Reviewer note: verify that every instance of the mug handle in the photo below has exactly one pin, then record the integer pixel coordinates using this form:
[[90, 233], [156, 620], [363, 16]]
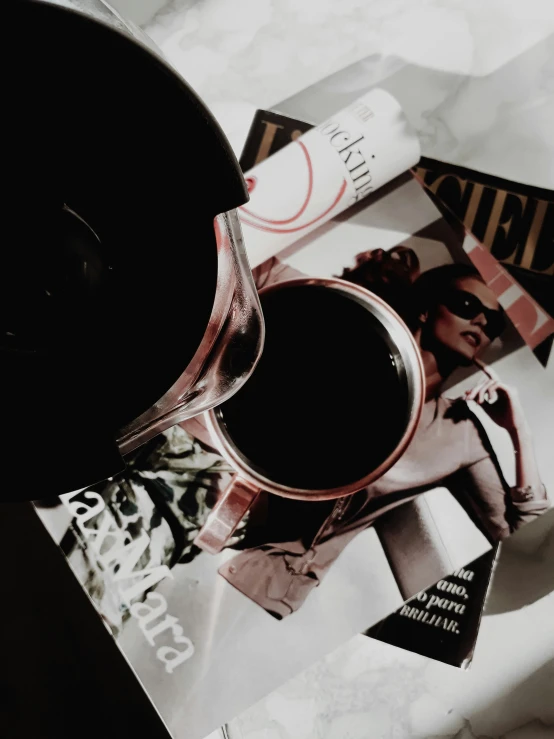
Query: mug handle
[[226, 515]]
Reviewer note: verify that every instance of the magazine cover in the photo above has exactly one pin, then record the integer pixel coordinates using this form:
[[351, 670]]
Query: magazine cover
[[209, 634], [514, 221], [466, 199]]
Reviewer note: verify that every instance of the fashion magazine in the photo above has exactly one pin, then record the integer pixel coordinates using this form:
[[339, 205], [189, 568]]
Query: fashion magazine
[[209, 634]]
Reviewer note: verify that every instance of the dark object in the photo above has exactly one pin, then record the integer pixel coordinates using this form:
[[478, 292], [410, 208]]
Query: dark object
[[109, 259], [63, 676]]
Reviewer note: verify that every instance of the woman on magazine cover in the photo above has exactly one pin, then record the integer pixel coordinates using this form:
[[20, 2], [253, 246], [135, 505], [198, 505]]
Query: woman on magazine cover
[[454, 316]]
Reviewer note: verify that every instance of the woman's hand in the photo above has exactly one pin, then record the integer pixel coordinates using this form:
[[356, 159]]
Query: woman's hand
[[499, 401], [502, 404]]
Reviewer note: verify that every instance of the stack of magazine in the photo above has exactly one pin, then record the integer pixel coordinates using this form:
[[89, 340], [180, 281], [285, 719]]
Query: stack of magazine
[[208, 635]]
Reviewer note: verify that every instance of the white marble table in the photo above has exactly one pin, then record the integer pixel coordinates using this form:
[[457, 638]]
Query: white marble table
[[477, 80]]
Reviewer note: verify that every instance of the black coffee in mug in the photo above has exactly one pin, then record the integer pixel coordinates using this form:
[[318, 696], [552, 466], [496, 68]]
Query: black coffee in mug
[[328, 401]]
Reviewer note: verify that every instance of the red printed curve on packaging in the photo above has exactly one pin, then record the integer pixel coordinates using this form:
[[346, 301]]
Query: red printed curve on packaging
[[269, 229], [305, 204]]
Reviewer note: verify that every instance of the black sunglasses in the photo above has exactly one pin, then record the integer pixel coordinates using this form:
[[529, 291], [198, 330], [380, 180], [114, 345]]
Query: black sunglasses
[[467, 305]]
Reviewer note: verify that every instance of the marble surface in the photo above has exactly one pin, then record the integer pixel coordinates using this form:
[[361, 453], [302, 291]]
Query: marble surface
[[477, 85], [367, 689], [477, 80], [138, 11]]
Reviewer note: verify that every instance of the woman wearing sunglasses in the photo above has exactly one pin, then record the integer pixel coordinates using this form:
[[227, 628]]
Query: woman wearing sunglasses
[[455, 317]]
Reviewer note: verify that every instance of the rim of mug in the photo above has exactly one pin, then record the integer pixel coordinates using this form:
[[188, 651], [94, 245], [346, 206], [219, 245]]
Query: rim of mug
[[413, 363]]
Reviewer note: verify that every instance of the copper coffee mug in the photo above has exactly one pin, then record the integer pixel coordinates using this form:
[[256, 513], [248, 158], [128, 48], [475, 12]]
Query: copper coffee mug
[[249, 482]]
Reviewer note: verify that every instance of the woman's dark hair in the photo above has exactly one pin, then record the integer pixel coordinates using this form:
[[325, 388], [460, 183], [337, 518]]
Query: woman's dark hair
[[410, 301]]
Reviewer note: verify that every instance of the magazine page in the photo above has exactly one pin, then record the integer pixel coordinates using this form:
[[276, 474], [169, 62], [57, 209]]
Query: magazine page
[[513, 221], [207, 634], [451, 640], [442, 622]]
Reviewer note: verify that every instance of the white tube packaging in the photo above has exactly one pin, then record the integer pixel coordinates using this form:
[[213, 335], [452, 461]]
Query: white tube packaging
[[324, 171]]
